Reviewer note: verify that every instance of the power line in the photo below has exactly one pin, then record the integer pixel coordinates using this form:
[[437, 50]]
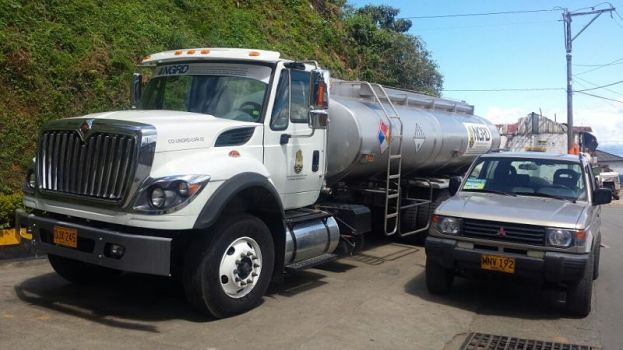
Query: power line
[[601, 87], [615, 62], [483, 25], [618, 93], [479, 14], [503, 90], [601, 97]]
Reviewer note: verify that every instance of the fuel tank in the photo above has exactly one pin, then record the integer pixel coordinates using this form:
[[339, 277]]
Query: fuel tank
[[440, 137]]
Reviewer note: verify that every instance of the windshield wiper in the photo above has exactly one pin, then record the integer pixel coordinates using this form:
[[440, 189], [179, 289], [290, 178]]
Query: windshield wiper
[[538, 194], [493, 191]]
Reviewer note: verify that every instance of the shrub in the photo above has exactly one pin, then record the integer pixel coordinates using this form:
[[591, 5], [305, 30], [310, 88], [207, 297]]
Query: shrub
[[8, 204]]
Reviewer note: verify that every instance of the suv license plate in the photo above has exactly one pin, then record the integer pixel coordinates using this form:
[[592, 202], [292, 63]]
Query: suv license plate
[[65, 236], [497, 263]]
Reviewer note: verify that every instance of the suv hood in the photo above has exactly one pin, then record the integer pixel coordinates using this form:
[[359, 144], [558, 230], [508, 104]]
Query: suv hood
[[538, 211], [177, 130]]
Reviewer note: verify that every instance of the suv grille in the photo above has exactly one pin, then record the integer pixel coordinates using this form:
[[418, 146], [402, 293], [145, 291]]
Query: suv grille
[[101, 167], [516, 233]]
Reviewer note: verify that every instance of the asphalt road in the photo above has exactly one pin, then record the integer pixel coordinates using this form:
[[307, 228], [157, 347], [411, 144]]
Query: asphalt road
[[374, 300]]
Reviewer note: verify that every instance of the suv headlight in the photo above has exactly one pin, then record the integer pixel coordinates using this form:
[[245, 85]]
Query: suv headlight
[[169, 194], [564, 238], [447, 225]]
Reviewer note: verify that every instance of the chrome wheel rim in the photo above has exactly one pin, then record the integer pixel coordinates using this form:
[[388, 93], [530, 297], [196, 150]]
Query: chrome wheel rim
[[240, 267]]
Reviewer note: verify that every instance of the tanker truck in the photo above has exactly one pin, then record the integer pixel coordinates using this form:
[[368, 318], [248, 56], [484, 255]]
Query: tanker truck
[[234, 166]]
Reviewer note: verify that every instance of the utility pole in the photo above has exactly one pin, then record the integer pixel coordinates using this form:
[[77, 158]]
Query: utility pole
[[567, 17]]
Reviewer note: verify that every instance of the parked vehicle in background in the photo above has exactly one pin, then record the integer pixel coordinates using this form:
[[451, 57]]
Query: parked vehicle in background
[[533, 215], [611, 180], [236, 165]]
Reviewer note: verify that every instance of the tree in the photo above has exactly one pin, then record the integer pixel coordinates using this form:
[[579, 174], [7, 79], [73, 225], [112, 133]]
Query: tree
[[385, 53]]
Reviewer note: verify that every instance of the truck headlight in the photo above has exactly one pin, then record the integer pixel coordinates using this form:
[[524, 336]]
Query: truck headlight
[[447, 225], [169, 194], [560, 238], [31, 180]]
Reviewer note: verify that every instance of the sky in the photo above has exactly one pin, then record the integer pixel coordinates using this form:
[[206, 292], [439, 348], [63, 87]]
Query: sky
[[519, 51]]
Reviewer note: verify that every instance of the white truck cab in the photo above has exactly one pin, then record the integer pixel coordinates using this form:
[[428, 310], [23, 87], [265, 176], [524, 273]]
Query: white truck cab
[[213, 133]]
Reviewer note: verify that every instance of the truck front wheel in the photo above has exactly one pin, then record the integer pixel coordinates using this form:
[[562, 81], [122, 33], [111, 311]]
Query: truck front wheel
[[80, 272], [229, 273]]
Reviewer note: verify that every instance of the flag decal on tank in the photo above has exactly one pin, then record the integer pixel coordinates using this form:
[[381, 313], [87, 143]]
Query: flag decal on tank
[[383, 136]]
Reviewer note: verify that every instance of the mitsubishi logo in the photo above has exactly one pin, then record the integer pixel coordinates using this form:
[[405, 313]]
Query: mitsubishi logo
[[84, 129], [501, 232]]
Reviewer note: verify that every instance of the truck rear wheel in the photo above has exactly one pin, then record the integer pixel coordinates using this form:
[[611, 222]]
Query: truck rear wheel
[[229, 273], [438, 278], [79, 272], [579, 294]]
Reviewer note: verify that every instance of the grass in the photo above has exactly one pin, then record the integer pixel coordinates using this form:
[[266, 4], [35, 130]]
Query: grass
[[73, 57]]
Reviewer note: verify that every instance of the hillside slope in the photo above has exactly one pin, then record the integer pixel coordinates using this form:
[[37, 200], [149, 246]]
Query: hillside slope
[[68, 58]]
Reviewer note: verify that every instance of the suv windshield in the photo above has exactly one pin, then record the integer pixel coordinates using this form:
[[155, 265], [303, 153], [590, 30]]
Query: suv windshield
[[528, 177], [231, 91]]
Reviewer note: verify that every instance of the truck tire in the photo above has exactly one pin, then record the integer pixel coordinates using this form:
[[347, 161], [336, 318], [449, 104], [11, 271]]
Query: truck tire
[[228, 273], [438, 279], [79, 272], [579, 294]]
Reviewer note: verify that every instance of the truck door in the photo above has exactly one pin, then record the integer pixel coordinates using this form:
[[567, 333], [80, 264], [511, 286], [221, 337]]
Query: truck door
[[294, 159]]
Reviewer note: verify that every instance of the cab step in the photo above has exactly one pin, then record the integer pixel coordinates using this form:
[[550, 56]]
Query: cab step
[[309, 263]]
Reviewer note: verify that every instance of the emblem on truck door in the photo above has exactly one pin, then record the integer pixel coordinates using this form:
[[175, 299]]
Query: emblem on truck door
[[298, 162], [85, 128]]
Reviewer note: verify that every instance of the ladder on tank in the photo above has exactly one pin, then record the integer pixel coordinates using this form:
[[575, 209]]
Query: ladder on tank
[[392, 191], [395, 202]]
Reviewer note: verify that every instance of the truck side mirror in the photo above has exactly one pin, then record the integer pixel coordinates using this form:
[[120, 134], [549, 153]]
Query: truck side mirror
[[318, 119], [320, 90], [318, 115], [137, 89], [602, 196], [455, 183]]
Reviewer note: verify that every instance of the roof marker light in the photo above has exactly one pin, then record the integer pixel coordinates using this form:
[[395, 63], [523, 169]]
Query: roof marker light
[[178, 52], [205, 51], [254, 53], [190, 52], [146, 58]]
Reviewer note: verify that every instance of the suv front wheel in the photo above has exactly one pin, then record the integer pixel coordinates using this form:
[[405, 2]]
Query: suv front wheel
[[438, 278], [579, 294]]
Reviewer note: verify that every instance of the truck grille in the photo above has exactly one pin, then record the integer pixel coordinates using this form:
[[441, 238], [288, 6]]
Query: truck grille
[[101, 167], [516, 233]]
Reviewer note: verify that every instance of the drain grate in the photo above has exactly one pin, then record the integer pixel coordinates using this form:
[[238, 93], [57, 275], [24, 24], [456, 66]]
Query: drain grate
[[481, 341]]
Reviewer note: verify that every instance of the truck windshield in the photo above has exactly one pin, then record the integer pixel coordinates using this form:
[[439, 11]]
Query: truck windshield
[[528, 177], [230, 91]]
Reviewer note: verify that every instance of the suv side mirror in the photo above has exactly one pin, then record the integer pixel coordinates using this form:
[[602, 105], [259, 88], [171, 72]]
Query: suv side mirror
[[137, 87], [602, 196], [455, 183]]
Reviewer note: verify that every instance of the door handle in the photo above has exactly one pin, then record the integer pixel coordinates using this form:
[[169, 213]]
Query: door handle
[[315, 161]]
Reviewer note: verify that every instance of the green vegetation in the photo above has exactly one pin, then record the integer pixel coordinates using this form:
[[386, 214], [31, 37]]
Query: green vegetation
[[69, 58]]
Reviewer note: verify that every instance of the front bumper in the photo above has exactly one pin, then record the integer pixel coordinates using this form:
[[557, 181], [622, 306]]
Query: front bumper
[[143, 254], [553, 267]]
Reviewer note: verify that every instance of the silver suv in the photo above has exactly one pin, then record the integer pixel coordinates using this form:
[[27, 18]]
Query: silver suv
[[533, 215]]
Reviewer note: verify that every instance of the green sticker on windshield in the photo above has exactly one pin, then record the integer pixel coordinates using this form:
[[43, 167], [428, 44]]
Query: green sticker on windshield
[[475, 184]]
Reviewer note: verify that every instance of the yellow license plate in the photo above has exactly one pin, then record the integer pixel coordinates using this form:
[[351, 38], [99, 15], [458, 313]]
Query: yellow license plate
[[497, 263], [65, 236]]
